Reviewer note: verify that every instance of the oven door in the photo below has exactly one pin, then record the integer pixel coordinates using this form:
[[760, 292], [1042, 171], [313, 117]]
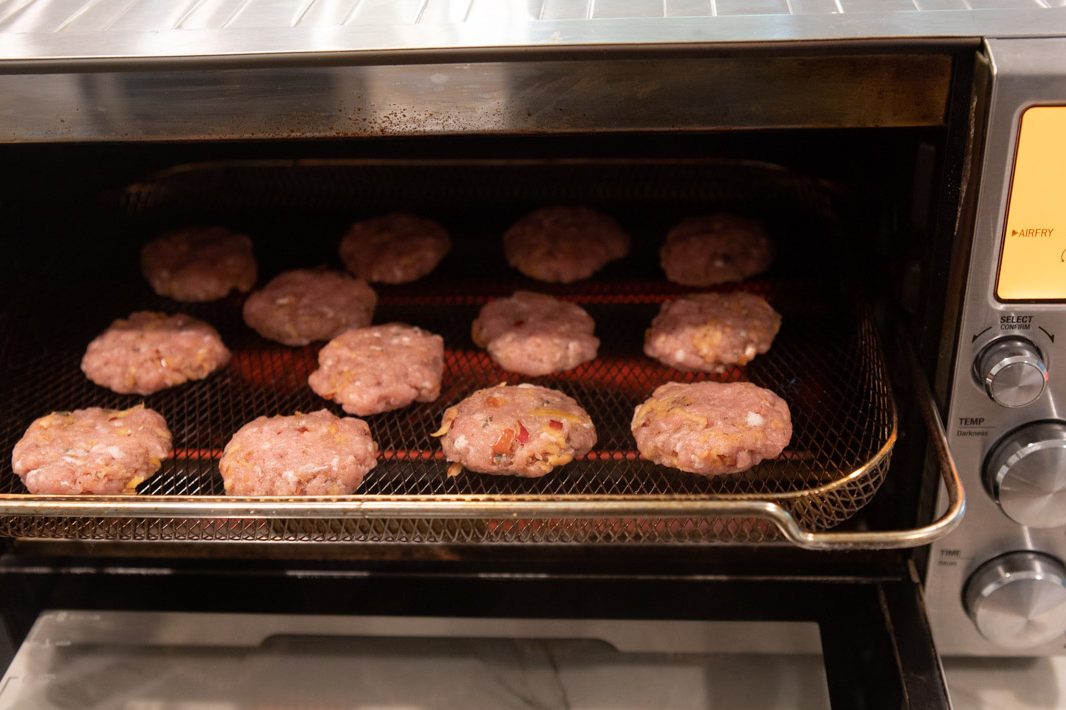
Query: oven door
[[135, 632]]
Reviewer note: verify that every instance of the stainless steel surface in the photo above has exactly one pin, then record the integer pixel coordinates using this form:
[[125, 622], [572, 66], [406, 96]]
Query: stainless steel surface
[[1026, 73], [653, 92], [112, 660], [1018, 600], [826, 361], [109, 30], [1025, 473], [1013, 371]]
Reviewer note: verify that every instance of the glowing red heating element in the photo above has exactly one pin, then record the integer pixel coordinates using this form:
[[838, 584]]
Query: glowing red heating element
[[277, 367], [632, 376]]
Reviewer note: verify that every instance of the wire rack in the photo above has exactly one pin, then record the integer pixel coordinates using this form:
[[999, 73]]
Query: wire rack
[[826, 363]]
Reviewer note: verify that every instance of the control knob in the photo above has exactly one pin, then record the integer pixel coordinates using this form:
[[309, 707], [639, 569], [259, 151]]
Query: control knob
[[1012, 371], [1018, 600], [1025, 473]]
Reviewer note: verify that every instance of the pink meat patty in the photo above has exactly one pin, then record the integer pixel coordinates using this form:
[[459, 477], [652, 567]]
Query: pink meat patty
[[564, 244], [316, 454], [394, 249], [711, 331], [199, 263], [151, 351], [535, 334], [714, 249], [380, 368], [521, 430], [301, 306], [712, 428], [94, 450]]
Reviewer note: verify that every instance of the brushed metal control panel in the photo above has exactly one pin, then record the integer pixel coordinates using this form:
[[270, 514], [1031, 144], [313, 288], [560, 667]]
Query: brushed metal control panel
[[1006, 419]]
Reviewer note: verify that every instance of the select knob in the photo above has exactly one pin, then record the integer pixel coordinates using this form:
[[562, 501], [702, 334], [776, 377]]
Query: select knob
[[1018, 600], [1025, 473], [1012, 371]]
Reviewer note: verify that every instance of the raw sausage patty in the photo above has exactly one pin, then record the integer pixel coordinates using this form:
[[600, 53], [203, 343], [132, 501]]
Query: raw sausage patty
[[298, 307], [535, 334], [394, 249], [381, 368], [711, 428], [521, 430], [199, 263], [564, 244], [151, 351], [715, 249], [316, 454], [102, 451], [710, 331]]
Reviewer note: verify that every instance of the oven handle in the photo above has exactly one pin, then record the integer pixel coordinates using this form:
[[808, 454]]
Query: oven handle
[[915, 537]]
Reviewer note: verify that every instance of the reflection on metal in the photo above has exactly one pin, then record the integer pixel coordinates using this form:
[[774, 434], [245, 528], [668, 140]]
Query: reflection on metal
[[653, 94], [34, 30]]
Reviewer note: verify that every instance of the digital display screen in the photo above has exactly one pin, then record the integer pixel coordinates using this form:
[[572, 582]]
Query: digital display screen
[[1032, 265]]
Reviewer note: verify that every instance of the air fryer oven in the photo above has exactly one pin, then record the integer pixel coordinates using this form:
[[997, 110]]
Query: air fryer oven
[[859, 157]]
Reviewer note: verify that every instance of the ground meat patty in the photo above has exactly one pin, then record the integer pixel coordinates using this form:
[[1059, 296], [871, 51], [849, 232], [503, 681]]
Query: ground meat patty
[[298, 307], [101, 451], [535, 334], [151, 351], [564, 244], [710, 331], [199, 263], [715, 249], [381, 368], [712, 428], [316, 454], [394, 249], [521, 430]]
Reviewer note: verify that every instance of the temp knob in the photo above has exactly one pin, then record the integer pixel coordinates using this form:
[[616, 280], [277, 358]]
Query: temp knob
[[1012, 371], [1025, 473], [1018, 600]]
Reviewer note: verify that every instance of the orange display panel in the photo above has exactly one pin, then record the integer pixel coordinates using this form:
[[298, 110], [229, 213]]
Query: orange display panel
[[1032, 265]]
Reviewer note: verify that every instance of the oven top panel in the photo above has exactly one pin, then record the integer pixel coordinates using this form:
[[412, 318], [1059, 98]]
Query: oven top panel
[[110, 30]]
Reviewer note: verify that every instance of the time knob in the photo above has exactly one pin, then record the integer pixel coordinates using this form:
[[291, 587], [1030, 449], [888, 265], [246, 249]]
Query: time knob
[[1018, 600], [1025, 473], [1012, 371]]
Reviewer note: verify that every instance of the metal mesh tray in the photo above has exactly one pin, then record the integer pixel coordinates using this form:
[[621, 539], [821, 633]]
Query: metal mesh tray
[[826, 362]]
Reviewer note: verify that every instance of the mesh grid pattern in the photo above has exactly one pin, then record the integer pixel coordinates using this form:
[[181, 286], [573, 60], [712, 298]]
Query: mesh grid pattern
[[826, 363]]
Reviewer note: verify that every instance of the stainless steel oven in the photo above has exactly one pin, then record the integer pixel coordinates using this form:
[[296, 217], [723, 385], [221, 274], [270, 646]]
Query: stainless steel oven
[[905, 157]]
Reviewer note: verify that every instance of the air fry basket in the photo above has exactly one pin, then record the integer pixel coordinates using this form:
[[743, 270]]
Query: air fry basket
[[826, 362]]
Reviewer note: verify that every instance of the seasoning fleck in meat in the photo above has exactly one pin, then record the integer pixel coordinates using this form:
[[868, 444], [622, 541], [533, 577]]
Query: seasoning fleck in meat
[[564, 244], [94, 450], [521, 430], [199, 263], [149, 351], [316, 454], [301, 306], [712, 428], [380, 368], [710, 331], [396, 248], [716, 248], [535, 334]]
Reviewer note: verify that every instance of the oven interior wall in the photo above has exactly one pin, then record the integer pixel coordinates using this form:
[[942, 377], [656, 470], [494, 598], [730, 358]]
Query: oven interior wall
[[65, 212]]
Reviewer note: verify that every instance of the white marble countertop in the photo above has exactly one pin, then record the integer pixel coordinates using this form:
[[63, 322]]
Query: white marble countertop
[[129, 661], [1006, 683]]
